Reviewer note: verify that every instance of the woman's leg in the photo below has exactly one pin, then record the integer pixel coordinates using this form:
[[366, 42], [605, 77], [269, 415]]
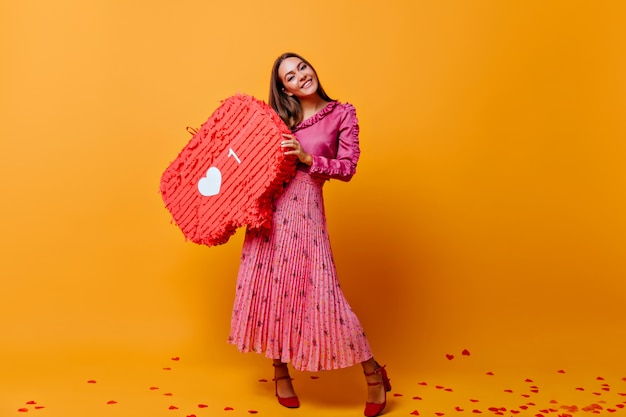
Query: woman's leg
[[284, 387], [375, 387]]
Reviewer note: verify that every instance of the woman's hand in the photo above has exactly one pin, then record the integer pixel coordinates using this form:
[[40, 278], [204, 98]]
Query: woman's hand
[[294, 148]]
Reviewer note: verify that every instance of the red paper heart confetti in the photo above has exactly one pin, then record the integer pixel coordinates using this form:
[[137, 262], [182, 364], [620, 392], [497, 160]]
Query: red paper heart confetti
[[172, 407], [510, 391], [553, 402], [175, 359], [596, 393], [39, 407], [202, 406], [528, 380], [457, 408], [449, 356], [262, 380], [191, 415], [465, 352], [623, 394], [91, 381], [397, 394], [619, 405], [22, 410], [592, 407], [415, 413], [490, 373], [606, 389], [439, 414], [600, 378], [153, 388], [228, 408], [252, 411], [561, 371], [31, 402], [473, 400], [111, 402], [422, 383], [580, 388], [523, 407], [477, 411], [168, 394], [534, 391], [167, 369], [515, 411], [417, 398], [439, 387], [526, 395], [448, 389]]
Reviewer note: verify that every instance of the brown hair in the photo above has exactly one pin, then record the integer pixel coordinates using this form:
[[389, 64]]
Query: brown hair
[[288, 107]]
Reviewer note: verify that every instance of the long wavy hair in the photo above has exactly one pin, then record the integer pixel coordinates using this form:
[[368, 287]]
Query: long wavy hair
[[288, 107]]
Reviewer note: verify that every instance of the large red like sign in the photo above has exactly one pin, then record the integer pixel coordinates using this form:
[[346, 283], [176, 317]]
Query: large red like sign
[[229, 173]]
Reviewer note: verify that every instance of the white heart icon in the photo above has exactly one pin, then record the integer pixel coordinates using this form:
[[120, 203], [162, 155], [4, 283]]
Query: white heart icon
[[210, 185]]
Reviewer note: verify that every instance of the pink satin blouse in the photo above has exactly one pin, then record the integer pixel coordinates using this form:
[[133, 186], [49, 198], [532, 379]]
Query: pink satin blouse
[[331, 136]]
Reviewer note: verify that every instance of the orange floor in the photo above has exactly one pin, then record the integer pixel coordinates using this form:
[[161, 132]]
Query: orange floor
[[97, 383]]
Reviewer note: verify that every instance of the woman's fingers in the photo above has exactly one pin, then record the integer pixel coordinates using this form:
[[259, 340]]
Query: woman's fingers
[[291, 142]]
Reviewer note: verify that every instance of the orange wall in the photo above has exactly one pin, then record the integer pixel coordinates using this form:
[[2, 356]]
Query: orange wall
[[488, 212]]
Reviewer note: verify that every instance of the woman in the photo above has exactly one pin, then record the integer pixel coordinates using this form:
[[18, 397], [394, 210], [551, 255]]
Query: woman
[[288, 302]]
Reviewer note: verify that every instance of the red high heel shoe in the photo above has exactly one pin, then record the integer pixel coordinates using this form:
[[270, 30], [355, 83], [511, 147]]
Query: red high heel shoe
[[373, 409], [289, 402]]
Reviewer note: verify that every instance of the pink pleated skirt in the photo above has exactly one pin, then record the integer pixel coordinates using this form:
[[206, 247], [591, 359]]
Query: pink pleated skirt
[[288, 302]]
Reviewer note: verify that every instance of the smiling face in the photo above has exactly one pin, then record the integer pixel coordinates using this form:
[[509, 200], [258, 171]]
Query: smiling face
[[298, 78]]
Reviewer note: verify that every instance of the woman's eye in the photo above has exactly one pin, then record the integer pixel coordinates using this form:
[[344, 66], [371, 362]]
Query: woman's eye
[[290, 78], [302, 67]]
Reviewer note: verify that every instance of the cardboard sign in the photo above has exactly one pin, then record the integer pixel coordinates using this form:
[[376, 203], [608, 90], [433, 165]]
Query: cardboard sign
[[229, 173]]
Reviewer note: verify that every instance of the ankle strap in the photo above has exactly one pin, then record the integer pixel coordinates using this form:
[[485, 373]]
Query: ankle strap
[[282, 364], [375, 371]]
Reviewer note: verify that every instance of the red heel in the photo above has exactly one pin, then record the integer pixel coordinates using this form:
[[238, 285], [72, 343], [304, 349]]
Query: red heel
[[289, 402], [374, 409]]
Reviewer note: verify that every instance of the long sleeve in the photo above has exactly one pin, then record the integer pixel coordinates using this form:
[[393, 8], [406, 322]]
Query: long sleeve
[[336, 150]]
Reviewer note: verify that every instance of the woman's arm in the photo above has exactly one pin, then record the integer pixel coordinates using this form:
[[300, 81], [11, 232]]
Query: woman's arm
[[343, 166]]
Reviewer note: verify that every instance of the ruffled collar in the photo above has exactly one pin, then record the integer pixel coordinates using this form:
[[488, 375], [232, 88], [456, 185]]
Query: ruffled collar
[[317, 116]]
